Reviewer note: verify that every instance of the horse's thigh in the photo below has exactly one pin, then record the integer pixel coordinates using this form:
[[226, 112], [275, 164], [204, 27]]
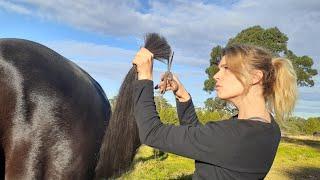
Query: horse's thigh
[[2, 163], [65, 162], [17, 162], [40, 161]]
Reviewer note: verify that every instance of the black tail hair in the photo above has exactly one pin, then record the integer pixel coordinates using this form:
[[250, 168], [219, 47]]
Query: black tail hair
[[121, 139]]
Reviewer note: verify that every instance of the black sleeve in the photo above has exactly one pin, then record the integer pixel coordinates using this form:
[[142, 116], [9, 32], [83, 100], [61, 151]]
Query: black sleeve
[[202, 142], [186, 113]]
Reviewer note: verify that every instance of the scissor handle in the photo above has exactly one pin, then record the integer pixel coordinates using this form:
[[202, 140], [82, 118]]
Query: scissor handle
[[166, 77]]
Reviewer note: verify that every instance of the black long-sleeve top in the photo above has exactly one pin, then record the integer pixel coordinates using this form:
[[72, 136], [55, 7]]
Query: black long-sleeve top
[[228, 149]]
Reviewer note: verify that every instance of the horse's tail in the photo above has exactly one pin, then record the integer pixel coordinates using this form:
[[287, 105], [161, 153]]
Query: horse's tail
[[121, 139]]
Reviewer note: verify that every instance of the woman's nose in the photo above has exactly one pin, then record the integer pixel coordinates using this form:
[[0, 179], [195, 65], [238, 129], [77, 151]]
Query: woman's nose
[[216, 76]]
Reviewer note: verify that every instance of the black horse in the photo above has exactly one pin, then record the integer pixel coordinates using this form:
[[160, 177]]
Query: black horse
[[54, 118]]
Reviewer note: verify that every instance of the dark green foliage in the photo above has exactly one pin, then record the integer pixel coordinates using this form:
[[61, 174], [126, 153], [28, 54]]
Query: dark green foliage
[[312, 125], [302, 66], [273, 40]]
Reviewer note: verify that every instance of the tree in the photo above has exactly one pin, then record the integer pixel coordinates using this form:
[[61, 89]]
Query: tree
[[212, 69], [167, 112], [312, 125], [113, 102], [273, 40], [302, 66], [161, 102], [219, 105], [215, 104]]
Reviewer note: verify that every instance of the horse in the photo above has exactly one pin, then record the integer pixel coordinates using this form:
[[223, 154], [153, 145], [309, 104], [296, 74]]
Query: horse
[[55, 119]]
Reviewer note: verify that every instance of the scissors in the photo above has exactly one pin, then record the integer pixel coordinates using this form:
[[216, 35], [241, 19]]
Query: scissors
[[168, 76]]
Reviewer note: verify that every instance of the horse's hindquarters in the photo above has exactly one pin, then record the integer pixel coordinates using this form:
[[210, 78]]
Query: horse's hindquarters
[[52, 115]]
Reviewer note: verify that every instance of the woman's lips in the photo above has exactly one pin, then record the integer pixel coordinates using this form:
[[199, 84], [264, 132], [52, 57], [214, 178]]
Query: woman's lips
[[217, 87]]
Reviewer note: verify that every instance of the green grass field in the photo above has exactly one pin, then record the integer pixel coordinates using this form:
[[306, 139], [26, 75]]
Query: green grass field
[[297, 158]]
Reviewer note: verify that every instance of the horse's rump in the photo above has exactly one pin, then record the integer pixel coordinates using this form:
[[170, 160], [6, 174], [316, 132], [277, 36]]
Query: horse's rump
[[52, 114]]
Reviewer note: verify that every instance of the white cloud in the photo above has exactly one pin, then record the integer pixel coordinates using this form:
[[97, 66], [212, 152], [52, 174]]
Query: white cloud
[[87, 50], [112, 62], [99, 57], [193, 27], [100, 61], [14, 7]]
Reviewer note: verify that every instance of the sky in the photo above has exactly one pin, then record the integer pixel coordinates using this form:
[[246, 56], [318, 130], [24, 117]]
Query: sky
[[102, 37]]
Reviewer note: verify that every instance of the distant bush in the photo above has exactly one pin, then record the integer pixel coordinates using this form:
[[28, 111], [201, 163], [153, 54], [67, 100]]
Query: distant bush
[[312, 125], [207, 116], [301, 126], [168, 115], [294, 126]]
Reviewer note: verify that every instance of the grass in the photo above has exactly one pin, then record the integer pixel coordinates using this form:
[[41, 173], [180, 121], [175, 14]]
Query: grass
[[297, 158], [169, 166]]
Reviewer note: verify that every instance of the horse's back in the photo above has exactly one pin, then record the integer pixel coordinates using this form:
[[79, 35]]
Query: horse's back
[[52, 114]]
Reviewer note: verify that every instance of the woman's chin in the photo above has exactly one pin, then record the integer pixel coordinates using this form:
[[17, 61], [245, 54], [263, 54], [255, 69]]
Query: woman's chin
[[221, 96]]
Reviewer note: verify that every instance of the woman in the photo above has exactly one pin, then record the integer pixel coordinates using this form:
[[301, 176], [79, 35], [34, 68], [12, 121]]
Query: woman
[[242, 147]]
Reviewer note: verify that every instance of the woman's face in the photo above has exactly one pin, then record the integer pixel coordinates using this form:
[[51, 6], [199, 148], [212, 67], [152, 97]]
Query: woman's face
[[228, 86]]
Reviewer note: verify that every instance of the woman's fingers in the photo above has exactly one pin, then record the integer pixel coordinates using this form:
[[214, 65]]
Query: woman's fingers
[[174, 85], [143, 62], [171, 85], [176, 78], [162, 77], [163, 85]]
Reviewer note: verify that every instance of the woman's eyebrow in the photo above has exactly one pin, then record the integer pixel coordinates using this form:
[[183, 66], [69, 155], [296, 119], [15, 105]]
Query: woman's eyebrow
[[222, 65]]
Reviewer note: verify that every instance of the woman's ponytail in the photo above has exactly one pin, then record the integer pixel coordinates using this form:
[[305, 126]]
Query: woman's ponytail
[[285, 93]]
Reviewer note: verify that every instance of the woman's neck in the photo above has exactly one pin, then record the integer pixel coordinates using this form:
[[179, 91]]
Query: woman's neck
[[252, 106]]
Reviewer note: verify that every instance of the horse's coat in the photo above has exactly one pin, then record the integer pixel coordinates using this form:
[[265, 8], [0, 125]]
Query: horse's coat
[[53, 115]]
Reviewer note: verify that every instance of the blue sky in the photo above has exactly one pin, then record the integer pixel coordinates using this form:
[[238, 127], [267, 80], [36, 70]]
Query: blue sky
[[103, 36]]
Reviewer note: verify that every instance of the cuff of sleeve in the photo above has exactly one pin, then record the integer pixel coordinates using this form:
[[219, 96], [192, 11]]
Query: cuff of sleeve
[[184, 104]]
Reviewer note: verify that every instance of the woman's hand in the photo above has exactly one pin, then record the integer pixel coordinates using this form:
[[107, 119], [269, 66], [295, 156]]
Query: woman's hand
[[175, 86], [144, 62]]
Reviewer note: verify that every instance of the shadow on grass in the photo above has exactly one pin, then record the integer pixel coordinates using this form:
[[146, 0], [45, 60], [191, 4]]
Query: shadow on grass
[[312, 173], [305, 173], [312, 143], [185, 177], [143, 159]]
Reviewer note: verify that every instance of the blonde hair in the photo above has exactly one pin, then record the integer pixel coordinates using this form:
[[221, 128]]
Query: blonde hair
[[279, 78]]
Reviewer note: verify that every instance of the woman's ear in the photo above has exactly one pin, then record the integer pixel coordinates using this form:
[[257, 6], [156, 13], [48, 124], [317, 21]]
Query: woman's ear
[[257, 76]]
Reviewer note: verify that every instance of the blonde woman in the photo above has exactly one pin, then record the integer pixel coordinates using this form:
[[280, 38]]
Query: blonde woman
[[242, 147]]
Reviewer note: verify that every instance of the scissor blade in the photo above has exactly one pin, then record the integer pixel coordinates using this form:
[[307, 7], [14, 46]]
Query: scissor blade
[[170, 61]]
